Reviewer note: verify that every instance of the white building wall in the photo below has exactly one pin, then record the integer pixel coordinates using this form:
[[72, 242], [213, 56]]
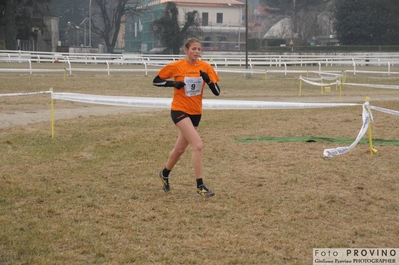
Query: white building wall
[[232, 16]]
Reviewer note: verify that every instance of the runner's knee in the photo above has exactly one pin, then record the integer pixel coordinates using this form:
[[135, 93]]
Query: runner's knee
[[179, 150], [197, 146]]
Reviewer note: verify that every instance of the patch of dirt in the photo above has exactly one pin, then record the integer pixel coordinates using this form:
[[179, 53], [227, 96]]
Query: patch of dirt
[[13, 118]]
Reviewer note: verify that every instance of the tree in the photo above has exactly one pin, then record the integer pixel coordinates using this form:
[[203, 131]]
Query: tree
[[11, 28], [367, 22], [76, 12], [302, 13], [19, 18], [110, 15], [168, 30]]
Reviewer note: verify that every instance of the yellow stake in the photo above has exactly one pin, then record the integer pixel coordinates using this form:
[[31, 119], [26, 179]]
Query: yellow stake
[[52, 113], [300, 85], [372, 150], [322, 88], [340, 92]]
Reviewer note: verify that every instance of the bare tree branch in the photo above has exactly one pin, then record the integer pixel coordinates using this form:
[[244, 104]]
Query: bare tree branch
[[110, 16]]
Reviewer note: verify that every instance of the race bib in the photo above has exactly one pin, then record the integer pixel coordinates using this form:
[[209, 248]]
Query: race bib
[[193, 86]]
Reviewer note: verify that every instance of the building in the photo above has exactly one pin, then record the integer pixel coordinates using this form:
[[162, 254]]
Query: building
[[222, 25], [46, 40]]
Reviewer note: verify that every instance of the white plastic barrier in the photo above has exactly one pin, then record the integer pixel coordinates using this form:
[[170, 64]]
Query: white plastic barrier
[[258, 63]]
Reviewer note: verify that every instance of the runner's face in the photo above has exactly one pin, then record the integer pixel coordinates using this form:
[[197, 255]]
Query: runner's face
[[194, 51]]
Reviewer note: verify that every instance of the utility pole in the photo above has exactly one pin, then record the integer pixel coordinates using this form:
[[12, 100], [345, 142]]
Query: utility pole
[[246, 34], [90, 24]]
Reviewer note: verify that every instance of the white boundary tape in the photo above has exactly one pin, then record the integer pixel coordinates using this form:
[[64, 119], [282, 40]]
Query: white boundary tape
[[219, 104], [25, 94], [231, 104], [320, 78], [207, 103], [367, 117], [372, 85], [388, 111], [309, 81]]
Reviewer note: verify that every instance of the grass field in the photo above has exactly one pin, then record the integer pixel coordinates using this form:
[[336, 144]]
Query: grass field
[[91, 195]]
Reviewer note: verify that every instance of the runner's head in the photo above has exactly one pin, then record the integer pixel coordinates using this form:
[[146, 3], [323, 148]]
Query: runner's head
[[192, 47]]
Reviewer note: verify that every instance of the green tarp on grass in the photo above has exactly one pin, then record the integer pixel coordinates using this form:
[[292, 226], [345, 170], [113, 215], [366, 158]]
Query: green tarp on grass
[[315, 139]]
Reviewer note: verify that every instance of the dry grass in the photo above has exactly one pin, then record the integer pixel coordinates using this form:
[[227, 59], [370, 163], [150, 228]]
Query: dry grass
[[91, 194]]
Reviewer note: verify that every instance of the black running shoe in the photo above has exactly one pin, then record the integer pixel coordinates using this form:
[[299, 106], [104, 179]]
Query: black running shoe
[[204, 191], [165, 182]]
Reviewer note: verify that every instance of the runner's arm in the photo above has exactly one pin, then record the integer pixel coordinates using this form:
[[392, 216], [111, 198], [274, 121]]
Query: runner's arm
[[160, 82], [164, 83], [214, 88]]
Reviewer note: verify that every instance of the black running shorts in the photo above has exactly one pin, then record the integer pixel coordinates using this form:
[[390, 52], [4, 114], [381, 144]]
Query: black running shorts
[[179, 115]]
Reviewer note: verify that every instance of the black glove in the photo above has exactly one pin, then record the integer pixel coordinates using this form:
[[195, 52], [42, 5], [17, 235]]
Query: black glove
[[179, 84], [205, 77]]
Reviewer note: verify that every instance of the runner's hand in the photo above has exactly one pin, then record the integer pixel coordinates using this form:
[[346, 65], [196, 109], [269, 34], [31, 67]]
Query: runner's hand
[[205, 77], [179, 84]]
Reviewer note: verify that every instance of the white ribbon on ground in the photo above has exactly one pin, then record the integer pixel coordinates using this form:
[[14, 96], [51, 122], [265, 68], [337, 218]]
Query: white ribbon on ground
[[366, 117]]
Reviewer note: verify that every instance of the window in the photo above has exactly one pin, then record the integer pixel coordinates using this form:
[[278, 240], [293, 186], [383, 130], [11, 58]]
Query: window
[[219, 18], [207, 41], [205, 19]]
